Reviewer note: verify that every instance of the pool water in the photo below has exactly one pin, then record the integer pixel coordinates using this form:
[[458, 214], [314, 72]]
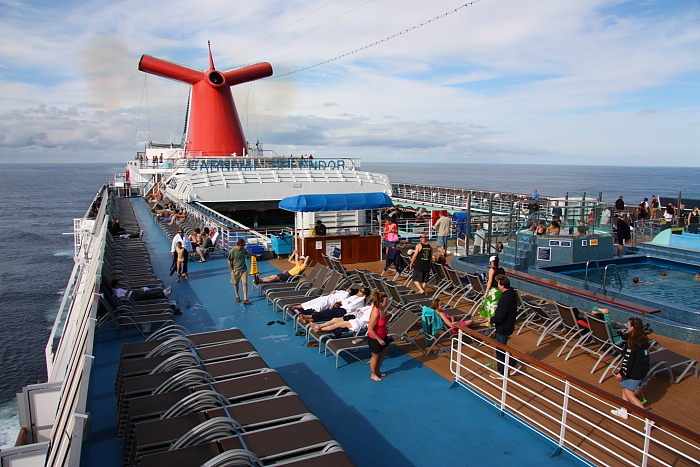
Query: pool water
[[678, 286]]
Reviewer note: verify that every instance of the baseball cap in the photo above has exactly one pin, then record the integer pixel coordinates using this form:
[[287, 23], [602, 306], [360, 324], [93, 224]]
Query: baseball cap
[[493, 258]]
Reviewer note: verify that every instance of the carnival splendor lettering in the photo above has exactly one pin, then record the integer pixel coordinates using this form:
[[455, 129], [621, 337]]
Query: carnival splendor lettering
[[254, 164]]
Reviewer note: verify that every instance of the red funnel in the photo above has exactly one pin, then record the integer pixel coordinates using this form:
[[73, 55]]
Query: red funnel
[[213, 126]]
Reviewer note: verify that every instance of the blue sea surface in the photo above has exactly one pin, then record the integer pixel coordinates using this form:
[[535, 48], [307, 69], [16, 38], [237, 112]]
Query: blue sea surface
[[37, 206], [633, 183], [38, 203]]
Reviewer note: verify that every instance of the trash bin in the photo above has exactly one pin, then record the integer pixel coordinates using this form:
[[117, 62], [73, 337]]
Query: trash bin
[[256, 250], [282, 245]]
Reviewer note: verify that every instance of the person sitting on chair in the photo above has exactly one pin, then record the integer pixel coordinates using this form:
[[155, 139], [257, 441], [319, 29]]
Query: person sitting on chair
[[447, 319], [201, 250], [299, 262]]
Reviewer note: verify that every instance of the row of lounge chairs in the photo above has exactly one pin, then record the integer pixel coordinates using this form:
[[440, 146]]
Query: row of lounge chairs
[[596, 339], [209, 399], [128, 260]]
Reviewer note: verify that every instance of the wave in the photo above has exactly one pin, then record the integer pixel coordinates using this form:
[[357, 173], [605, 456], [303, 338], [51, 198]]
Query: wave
[[64, 253], [9, 424]]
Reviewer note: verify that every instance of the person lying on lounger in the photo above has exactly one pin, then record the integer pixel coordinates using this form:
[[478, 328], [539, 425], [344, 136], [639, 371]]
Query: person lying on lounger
[[320, 309], [141, 294], [359, 320], [299, 262]]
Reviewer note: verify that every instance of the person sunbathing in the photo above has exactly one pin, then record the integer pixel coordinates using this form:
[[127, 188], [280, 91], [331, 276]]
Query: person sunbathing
[[353, 300], [299, 262], [359, 320]]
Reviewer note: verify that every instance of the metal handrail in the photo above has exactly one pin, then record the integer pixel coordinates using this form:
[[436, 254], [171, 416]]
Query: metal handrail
[[605, 276], [597, 265], [566, 410]]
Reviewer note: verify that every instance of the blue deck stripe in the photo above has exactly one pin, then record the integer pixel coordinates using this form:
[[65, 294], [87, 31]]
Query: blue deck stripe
[[411, 418]]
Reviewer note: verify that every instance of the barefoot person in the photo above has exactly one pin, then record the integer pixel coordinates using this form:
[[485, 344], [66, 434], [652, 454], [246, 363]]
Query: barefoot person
[[377, 333], [299, 262]]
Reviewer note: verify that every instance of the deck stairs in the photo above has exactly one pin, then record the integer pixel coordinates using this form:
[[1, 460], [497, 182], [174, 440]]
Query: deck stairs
[[519, 253]]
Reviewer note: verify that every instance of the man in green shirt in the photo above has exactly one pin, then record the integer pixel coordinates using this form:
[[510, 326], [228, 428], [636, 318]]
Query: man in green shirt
[[239, 270]]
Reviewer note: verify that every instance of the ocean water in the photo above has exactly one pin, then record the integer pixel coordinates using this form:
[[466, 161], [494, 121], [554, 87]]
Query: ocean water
[[633, 183], [38, 203]]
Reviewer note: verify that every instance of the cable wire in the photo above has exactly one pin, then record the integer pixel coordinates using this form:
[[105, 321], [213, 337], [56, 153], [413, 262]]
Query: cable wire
[[405, 31]]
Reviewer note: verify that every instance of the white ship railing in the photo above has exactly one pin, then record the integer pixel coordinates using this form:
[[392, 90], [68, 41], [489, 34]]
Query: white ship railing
[[572, 414]]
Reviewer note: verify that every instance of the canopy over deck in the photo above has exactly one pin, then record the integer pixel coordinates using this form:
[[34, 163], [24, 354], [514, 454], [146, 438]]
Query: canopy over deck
[[336, 202]]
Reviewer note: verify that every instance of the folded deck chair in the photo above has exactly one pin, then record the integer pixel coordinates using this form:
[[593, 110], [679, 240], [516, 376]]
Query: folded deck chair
[[305, 438], [209, 354], [156, 383], [236, 390], [157, 435], [203, 339], [142, 322]]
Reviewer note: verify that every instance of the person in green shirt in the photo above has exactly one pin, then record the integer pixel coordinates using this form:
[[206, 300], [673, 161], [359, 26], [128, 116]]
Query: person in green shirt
[[239, 269]]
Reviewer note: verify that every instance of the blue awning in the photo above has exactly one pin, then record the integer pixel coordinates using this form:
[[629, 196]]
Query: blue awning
[[336, 202]]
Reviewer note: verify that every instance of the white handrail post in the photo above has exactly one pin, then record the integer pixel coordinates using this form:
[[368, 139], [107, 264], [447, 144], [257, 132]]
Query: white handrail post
[[648, 425], [564, 414], [506, 374]]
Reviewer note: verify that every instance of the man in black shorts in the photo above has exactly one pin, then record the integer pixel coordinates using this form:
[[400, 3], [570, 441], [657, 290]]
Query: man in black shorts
[[421, 263]]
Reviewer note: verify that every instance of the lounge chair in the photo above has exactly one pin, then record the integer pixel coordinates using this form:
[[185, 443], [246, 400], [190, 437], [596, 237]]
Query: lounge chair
[[398, 330]]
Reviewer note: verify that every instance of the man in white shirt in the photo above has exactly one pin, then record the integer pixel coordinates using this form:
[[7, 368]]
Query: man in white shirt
[[479, 238]]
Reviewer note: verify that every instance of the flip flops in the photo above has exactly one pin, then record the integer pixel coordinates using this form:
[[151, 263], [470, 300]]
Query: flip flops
[[270, 323], [300, 333], [280, 322]]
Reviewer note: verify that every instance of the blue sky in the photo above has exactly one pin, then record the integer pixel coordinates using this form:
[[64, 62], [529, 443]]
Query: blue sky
[[501, 81]]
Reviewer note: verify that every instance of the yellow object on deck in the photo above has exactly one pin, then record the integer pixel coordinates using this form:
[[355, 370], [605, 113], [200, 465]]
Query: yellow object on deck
[[253, 266]]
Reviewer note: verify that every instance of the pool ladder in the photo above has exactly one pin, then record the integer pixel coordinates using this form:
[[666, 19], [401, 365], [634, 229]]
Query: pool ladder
[[603, 276]]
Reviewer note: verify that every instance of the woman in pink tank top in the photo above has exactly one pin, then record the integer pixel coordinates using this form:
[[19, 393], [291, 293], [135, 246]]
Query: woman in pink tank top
[[377, 332]]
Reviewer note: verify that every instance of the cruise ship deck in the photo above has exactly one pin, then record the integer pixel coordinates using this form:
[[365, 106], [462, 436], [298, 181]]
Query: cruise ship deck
[[411, 418], [414, 417]]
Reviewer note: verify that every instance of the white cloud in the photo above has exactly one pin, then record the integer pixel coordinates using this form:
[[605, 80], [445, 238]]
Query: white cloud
[[604, 81]]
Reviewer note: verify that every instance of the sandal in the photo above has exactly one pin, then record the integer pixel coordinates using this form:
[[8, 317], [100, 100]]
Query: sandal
[[312, 344], [280, 322], [300, 333], [238, 299], [270, 323], [247, 302]]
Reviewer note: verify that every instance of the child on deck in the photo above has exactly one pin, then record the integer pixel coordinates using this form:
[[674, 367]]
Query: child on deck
[[181, 252]]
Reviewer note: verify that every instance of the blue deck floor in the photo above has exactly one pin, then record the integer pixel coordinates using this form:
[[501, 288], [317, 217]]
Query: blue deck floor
[[412, 418]]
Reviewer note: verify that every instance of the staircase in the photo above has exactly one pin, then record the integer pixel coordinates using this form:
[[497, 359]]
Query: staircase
[[519, 253]]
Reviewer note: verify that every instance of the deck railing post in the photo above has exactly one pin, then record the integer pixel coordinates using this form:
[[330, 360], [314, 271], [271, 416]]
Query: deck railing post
[[564, 414], [648, 425], [506, 374]]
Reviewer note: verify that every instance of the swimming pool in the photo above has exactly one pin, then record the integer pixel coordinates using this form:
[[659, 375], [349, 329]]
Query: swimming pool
[[676, 294]]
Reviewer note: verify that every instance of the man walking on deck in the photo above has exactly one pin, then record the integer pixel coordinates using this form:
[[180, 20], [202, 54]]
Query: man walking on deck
[[421, 263], [504, 320], [239, 270], [443, 226]]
